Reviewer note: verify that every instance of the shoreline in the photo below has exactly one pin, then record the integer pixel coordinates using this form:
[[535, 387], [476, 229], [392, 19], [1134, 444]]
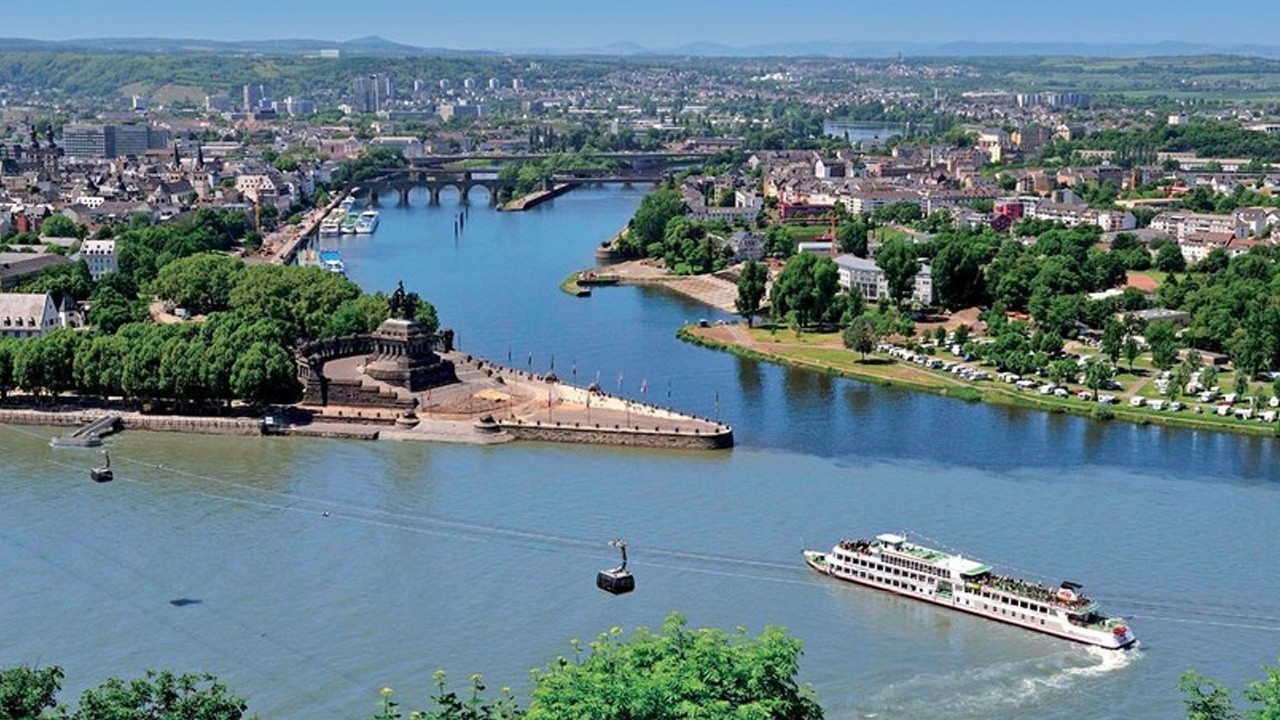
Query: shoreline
[[890, 373], [490, 404]]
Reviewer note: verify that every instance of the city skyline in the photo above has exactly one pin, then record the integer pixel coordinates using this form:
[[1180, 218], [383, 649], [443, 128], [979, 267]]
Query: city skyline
[[561, 25]]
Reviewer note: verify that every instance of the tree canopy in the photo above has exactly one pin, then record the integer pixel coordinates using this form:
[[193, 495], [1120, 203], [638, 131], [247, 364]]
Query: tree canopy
[[677, 673], [805, 290]]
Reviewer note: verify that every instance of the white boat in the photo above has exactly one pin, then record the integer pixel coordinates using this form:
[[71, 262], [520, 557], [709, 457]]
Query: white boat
[[347, 204], [366, 222], [331, 261], [332, 223], [891, 563]]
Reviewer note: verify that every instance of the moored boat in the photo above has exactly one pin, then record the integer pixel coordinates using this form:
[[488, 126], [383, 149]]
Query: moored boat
[[332, 223], [891, 563], [348, 224], [366, 222], [331, 260]]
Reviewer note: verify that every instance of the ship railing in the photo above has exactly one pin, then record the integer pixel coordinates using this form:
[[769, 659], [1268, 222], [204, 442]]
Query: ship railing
[[1035, 591]]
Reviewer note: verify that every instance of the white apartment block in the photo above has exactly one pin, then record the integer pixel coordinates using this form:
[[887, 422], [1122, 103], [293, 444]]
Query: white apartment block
[[100, 256]]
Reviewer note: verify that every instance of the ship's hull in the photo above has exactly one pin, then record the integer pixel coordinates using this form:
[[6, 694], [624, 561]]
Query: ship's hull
[[817, 561]]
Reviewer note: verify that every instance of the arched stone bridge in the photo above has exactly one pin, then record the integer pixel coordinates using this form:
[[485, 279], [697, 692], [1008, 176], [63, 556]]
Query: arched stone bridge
[[464, 181]]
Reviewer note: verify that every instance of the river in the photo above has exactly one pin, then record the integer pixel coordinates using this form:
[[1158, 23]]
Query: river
[[310, 573]]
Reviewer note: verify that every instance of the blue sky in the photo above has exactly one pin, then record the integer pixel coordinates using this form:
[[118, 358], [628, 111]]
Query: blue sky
[[496, 24]]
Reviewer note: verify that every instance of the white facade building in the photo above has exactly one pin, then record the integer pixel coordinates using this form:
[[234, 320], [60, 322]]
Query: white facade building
[[27, 315], [867, 279], [100, 256]]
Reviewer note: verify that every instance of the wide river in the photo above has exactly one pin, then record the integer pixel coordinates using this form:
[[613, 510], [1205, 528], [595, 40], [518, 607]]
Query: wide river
[[308, 574]]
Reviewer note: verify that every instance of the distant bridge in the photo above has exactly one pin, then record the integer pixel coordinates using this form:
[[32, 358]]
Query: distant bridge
[[404, 180], [635, 159]]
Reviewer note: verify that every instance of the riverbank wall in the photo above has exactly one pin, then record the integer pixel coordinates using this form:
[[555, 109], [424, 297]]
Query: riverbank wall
[[536, 198], [135, 421], [718, 439]]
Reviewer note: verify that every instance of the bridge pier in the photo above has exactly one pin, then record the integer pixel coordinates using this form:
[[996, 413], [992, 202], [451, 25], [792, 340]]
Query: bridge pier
[[404, 196], [464, 195], [373, 197], [435, 195]]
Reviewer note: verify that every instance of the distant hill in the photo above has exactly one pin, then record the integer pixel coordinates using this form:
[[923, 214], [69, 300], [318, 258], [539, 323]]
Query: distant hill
[[378, 46], [883, 49], [365, 46]]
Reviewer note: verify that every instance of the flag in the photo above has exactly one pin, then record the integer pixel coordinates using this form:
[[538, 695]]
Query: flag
[[619, 381], [530, 358], [553, 362], [644, 385], [668, 389]]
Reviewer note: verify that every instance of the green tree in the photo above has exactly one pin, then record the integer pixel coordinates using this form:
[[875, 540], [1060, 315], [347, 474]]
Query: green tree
[[1131, 350], [898, 259], [1096, 374], [751, 289], [109, 309], [1063, 371], [805, 289], [161, 696], [1169, 258], [778, 242], [861, 335], [852, 236], [1112, 339], [26, 693], [1205, 699], [1161, 337], [46, 363], [61, 226], [651, 218], [8, 349], [264, 374], [98, 363], [678, 672], [200, 283]]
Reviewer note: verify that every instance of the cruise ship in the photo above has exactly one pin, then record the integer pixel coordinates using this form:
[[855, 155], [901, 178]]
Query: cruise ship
[[366, 222], [891, 563]]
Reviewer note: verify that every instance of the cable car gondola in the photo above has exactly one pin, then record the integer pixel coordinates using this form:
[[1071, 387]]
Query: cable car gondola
[[103, 474], [617, 581]]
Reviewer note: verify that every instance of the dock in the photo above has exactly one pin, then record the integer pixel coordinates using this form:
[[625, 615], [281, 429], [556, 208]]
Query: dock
[[293, 237], [89, 434]]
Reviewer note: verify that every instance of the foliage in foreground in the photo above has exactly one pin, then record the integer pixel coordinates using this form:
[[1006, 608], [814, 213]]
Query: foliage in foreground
[[28, 693], [675, 674], [1207, 699]]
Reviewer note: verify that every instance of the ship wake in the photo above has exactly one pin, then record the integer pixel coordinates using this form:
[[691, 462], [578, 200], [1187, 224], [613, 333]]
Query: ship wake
[[1002, 689]]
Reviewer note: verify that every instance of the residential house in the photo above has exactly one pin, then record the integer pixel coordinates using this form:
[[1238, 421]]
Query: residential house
[[746, 246], [27, 315]]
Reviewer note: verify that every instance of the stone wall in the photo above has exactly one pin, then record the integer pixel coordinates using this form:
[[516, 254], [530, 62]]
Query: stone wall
[[355, 393], [609, 436], [162, 423]]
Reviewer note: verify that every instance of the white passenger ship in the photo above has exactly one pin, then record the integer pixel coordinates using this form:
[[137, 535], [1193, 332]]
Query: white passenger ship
[[891, 563]]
